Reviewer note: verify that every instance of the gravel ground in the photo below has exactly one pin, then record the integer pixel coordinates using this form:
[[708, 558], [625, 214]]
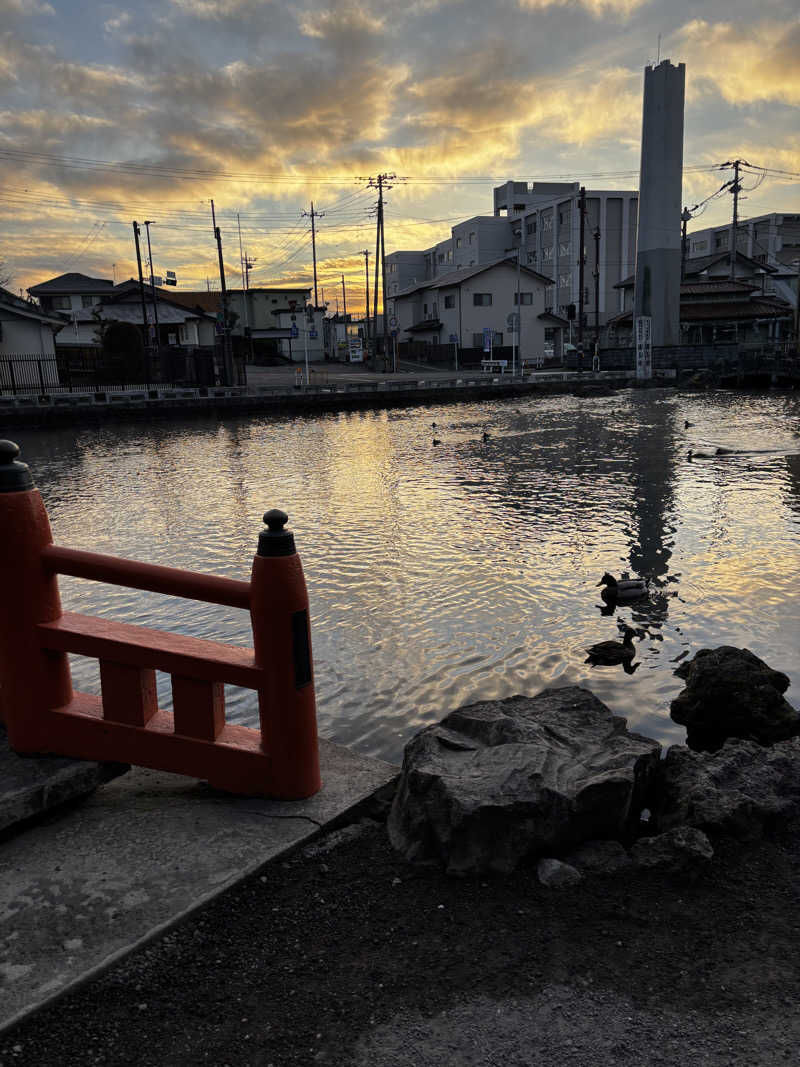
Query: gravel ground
[[342, 954]]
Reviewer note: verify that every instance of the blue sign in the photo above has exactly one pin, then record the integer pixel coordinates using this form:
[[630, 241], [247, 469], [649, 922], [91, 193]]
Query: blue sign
[[294, 331], [487, 339], [394, 333], [453, 338], [312, 334]]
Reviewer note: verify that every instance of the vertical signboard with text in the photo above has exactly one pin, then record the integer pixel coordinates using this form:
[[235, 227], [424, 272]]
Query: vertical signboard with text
[[644, 346]]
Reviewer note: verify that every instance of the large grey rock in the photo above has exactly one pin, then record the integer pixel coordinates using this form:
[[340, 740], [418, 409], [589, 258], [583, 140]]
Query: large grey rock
[[682, 850], [734, 791], [498, 781], [732, 693], [554, 874]]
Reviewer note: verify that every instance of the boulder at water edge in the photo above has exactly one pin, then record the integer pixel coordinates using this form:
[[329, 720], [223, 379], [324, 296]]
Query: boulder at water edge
[[732, 693], [736, 791], [497, 781]]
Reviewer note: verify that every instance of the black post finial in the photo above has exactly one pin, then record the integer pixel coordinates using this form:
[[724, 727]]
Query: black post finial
[[15, 477], [275, 540]]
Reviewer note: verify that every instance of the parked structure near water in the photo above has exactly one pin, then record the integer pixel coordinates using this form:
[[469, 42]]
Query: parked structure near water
[[658, 242]]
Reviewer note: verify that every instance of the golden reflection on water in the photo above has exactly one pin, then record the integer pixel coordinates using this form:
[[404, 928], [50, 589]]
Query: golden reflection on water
[[440, 575]]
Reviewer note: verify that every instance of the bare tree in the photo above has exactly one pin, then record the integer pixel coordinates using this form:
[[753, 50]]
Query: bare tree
[[5, 274]]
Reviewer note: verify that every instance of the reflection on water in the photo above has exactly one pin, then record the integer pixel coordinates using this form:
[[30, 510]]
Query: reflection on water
[[466, 571]]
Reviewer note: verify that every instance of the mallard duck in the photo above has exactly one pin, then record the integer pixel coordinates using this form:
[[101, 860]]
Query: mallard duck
[[687, 424], [624, 589], [610, 653], [690, 455], [436, 441]]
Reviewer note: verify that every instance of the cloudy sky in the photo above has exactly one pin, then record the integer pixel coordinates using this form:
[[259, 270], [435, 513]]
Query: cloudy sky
[[110, 113]]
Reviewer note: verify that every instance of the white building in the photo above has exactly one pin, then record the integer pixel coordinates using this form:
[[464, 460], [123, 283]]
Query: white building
[[25, 329], [455, 310], [542, 220], [773, 239]]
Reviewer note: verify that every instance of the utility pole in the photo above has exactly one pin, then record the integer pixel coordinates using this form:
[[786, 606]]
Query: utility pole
[[596, 235], [244, 288], [226, 348], [735, 189], [312, 215], [581, 264], [365, 254], [685, 216], [344, 300], [380, 183], [136, 232], [147, 224]]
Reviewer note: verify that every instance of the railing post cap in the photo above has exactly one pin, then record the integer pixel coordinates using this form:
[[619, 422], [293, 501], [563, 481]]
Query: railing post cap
[[275, 540], [15, 477]]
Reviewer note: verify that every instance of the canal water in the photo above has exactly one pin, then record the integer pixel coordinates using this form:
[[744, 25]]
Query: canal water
[[444, 574]]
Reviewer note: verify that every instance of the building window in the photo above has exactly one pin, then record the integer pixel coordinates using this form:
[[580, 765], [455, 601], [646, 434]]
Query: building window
[[477, 340], [531, 257], [425, 310], [449, 255], [482, 300], [393, 268], [547, 254], [60, 303], [699, 246], [530, 228], [520, 207], [565, 280], [563, 248], [458, 242], [524, 298], [721, 240], [450, 300], [472, 237], [440, 258], [87, 301]]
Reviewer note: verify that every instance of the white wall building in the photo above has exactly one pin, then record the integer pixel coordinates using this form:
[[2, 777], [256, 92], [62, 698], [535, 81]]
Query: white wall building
[[457, 308]]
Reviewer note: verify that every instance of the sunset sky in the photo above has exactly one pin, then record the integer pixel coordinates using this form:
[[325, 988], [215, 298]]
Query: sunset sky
[[110, 113]]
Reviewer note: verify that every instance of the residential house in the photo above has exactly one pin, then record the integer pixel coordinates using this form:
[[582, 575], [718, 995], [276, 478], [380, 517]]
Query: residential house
[[716, 308], [27, 343], [455, 311], [86, 303]]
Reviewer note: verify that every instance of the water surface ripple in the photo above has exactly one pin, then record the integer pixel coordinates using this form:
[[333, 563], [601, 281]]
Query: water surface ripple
[[441, 575]]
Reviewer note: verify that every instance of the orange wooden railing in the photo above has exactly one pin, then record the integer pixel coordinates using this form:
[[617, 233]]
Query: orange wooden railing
[[42, 713]]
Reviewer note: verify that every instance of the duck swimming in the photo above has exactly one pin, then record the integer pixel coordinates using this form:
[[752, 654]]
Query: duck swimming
[[624, 589], [611, 653], [436, 441]]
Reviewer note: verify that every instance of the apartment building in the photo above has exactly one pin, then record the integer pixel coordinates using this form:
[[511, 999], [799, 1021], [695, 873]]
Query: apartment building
[[540, 222], [773, 239]]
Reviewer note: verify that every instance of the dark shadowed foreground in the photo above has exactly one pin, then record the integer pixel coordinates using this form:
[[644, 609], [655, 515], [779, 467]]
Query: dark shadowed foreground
[[343, 954]]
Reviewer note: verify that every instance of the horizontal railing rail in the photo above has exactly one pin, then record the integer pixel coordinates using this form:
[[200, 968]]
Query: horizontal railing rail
[[124, 723], [150, 576]]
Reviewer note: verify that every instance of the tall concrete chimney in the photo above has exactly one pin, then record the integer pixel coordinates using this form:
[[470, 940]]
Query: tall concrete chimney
[[658, 244]]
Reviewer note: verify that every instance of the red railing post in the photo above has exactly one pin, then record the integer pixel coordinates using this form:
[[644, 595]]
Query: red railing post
[[32, 679], [282, 647]]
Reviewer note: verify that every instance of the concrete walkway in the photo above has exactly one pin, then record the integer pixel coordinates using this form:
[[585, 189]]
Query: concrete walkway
[[87, 883]]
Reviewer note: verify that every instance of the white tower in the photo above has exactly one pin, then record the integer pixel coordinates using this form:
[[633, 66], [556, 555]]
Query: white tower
[[658, 244]]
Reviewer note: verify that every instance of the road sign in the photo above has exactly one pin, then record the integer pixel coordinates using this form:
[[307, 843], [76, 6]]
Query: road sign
[[394, 333], [453, 338], [294, 332], [392, 321], [487, 339], [312, 334], [513, 321], [644, 346]]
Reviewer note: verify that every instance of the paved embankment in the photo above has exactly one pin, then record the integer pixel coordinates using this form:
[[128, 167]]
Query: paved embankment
[[88, 883]]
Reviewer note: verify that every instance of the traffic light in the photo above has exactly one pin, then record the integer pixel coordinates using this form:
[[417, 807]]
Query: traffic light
[[571, 312]]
